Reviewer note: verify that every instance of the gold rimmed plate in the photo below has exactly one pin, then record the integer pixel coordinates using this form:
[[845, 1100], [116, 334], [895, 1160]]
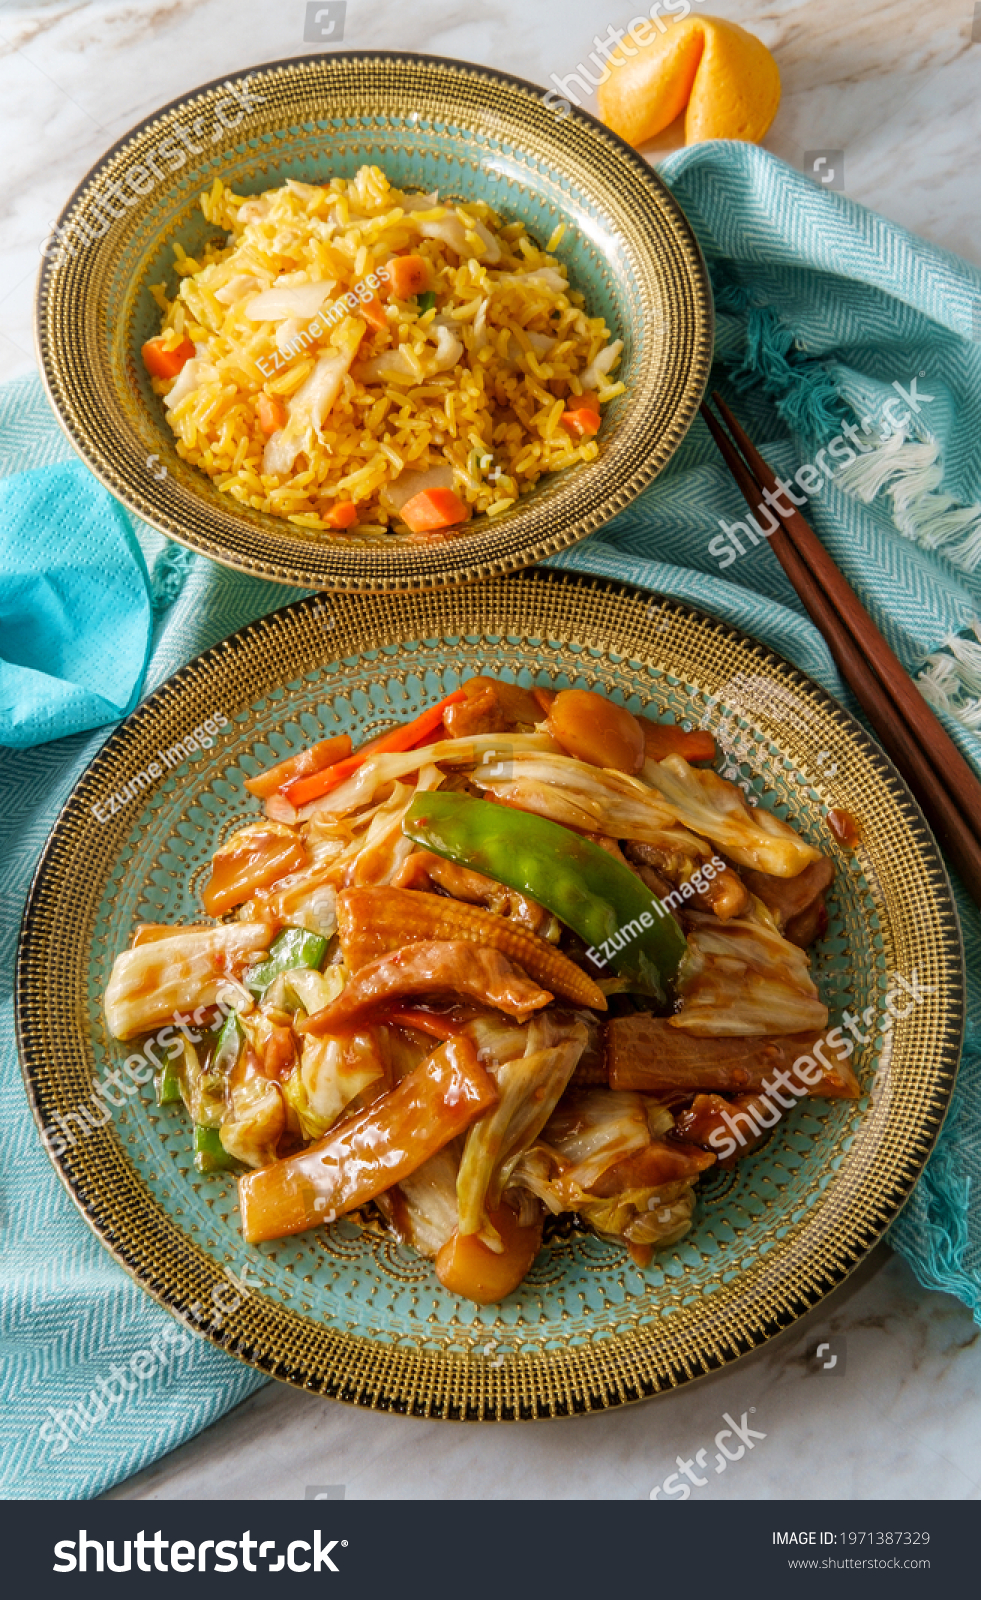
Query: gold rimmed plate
[[468, 131], [347, 1311]]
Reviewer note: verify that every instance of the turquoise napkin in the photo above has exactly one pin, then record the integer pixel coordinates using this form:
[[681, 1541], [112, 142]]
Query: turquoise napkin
[[822, 307], [74, 608]]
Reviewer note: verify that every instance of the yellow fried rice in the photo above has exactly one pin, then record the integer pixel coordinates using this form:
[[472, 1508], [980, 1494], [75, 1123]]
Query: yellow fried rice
[[467, 393]]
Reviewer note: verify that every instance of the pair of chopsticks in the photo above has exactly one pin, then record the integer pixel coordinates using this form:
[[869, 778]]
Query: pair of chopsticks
[[939, 776]]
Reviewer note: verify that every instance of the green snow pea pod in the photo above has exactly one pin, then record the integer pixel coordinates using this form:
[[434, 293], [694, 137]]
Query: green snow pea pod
[[595, 895]]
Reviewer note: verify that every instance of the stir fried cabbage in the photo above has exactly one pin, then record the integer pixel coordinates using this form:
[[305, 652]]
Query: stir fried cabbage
[[529, 1086], [672, 795], [378, 1023], [744, 977], [155, 982]]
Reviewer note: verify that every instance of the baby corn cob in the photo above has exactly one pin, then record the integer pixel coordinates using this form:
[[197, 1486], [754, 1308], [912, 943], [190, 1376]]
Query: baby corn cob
[[371, 922]]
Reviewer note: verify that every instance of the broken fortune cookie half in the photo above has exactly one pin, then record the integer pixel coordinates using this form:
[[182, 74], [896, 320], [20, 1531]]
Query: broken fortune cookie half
[[726, 77]]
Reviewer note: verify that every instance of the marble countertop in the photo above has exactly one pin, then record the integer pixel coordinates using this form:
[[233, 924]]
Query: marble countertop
[[895, 1417], [893, 86]]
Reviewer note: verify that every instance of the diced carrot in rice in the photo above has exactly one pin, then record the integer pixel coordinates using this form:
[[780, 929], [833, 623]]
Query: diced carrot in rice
[[583, 421], [434, 508], [271, 413], [342, 515], [161, 362], [408, 276]]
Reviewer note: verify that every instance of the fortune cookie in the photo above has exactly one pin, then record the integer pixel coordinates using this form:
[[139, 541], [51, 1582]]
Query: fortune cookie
[[728, 80]]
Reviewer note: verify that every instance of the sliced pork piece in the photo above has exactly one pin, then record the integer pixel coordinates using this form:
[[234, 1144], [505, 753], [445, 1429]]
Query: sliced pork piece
[[710, 1119], [645, 1053], [670, 864], [797, 903], [375, 921], [448, 969], [492, 707]]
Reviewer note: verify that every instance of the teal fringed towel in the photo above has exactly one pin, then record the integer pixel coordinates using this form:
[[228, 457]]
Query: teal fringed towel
[[831, 318], [823, 308]]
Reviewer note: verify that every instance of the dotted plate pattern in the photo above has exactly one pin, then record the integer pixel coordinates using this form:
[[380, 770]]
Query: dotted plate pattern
[[349, 1312], [429, 123]]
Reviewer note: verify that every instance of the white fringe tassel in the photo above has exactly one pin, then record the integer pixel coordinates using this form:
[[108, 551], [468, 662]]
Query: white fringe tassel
[[910, 473], [951, 681]]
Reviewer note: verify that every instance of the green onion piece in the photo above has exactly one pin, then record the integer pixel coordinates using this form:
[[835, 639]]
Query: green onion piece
[[426, 301], [228, 1046], [294, 947], [210, 1154], [168, 1085]]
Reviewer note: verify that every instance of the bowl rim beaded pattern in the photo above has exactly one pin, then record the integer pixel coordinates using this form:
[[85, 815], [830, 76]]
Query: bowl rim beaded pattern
[[799, 1229], [93, 307]]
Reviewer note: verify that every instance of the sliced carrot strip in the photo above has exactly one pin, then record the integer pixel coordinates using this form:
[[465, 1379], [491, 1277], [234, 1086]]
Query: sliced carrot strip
[[320, 755], [409, 734], [163, 363], [438, 1027], [306, 789], [434, 508], [302, 790]]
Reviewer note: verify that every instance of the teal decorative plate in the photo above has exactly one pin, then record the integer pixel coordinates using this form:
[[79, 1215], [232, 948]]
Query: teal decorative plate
[[470, 132], [349, 1312]]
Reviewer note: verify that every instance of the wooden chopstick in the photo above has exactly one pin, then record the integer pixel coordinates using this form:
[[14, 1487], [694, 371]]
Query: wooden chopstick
[[959, 777], [905, 724]]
